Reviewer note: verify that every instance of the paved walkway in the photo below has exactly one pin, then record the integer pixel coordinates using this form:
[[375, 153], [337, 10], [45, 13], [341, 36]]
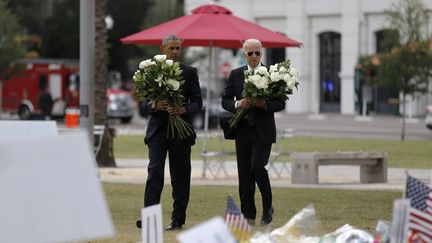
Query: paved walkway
[[330, 125], [335, 177]]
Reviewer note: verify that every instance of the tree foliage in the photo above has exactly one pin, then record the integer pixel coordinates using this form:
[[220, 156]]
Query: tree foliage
[[409, 65], [56, 23], [410, 18], [61, 32], [128, 18], [9, 30]]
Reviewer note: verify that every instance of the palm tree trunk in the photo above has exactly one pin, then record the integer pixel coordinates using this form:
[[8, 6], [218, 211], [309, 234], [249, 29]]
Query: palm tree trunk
[[105, 157]]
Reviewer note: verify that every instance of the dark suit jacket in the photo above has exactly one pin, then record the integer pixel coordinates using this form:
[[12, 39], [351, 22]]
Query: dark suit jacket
[[263, 119], [158, 122]]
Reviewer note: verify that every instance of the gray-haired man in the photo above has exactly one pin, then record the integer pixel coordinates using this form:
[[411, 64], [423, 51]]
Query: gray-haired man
[[178, 150]]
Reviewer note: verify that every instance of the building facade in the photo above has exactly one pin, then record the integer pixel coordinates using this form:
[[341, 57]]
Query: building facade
[[334, 34]]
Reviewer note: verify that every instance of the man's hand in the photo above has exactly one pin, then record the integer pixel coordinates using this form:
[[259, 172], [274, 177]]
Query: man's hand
[[180, 110], [244, 104], [161, 105]]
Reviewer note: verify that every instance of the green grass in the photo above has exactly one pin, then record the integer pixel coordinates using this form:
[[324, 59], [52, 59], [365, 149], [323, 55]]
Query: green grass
[[402, 154], [361, 209]]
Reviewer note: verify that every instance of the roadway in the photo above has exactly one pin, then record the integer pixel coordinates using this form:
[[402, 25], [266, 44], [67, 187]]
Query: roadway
[[323, 125], [328, 125]]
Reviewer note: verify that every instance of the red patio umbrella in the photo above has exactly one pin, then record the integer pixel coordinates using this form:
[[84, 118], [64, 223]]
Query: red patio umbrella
[[213, 26]]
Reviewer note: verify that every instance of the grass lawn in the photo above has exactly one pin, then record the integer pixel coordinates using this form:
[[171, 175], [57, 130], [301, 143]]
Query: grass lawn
[[361, 209], [402, 154]]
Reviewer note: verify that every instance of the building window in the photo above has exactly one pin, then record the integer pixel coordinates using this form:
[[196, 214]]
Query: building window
[[383, 96], [386, 39], [275, 55], [330, 66]]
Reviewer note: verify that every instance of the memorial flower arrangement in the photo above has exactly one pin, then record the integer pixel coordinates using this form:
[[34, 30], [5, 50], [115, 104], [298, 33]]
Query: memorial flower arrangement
[[277, 82], [160, 79]]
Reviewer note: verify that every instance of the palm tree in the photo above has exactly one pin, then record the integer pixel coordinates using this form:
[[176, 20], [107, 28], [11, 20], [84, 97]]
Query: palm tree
[[105, 157]]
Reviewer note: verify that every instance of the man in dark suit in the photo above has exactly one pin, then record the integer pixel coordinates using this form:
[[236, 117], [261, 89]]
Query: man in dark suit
[[254, 136], [178, 150]]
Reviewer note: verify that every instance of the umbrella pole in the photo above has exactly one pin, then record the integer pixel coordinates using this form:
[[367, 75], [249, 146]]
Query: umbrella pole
[[206, 113], [206, 117]]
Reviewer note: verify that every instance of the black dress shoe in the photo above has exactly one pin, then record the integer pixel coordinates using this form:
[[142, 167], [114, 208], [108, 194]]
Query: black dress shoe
[[174, 226], [267, 217], [138, 224]]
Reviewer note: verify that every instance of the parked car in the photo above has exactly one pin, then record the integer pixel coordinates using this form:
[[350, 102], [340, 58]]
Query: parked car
[[121, 105], [428, 120]]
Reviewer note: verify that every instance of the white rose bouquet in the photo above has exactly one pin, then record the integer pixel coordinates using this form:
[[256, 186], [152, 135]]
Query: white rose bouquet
[[278, 82], [255, 87], [160, 79], [283, 80]]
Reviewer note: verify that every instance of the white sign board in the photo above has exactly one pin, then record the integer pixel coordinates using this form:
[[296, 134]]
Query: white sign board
[[50, 193], [15, 129], [399, 228], [151, 224], [212, 231]]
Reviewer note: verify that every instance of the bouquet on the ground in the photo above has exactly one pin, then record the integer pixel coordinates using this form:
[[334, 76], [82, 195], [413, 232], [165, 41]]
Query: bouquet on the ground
[[277, 82], [160, 79]]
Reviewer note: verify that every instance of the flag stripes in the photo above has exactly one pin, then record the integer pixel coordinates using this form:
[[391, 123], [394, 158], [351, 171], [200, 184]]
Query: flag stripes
[[420, 212]]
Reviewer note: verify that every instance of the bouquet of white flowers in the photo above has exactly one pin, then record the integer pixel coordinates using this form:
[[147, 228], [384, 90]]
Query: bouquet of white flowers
[[277, 82], [160, 79], [283, 80], [255, 87]]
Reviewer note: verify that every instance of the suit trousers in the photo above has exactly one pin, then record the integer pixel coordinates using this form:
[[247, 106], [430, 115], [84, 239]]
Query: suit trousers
[[252, 156], [179, 154]]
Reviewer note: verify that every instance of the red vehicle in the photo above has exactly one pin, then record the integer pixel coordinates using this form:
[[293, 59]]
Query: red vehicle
[[21, 92]]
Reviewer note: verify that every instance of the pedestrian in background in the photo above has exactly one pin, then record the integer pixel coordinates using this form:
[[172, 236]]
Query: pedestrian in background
[[46, 104], [254, 136]]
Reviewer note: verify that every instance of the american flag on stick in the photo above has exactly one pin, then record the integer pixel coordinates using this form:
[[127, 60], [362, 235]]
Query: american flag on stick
[[236, 222], [420, 213]]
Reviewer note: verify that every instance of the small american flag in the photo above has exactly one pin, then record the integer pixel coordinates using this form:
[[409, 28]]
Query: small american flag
[[420, 213], [236, 222]]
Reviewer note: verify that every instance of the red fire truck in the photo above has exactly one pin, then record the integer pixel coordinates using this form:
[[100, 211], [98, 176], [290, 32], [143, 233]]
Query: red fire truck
[[21, 92], [60, 77]]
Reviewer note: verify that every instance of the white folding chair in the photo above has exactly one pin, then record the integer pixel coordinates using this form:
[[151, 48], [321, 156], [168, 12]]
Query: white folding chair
[[213, 159], [98, 132], [279, 155], [225, 152]]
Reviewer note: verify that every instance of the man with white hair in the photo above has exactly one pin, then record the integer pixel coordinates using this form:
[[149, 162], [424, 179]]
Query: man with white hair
[[254, 136]]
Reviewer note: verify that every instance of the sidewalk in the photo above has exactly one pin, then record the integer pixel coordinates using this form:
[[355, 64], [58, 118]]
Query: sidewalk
[[330, 177]]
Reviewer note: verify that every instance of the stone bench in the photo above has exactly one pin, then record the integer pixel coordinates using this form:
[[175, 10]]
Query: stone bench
[[373, 165]]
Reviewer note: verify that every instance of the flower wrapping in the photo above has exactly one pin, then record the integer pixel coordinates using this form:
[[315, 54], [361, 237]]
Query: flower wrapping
[[276, 83], [160, 79]]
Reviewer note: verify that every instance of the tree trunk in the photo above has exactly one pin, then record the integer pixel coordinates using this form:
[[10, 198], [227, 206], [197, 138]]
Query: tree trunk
[[105, 157], [403, 116]]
